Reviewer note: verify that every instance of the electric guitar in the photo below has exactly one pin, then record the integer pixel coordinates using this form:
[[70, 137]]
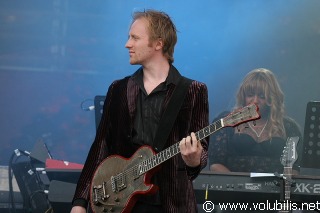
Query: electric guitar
[[288, 158], [118, 181]]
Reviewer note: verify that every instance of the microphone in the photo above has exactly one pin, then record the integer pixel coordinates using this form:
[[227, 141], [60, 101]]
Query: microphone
[[87, 108]]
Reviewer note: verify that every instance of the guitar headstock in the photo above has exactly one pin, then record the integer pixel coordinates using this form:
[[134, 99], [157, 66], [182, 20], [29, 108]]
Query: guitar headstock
[[242, 115], [290, 154]]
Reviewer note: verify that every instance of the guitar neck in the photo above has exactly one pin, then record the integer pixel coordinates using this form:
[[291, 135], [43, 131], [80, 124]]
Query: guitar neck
[[173, 150], [237, 117], [212, 128], [287, 173]]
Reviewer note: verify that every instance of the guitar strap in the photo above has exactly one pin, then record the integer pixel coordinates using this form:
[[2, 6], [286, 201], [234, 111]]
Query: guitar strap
[[169, 116]]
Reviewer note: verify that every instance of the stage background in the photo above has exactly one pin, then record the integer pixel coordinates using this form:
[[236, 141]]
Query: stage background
[[55, 56]]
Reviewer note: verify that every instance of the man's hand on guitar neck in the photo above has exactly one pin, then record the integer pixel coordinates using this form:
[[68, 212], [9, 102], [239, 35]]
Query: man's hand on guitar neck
[[191, 150]]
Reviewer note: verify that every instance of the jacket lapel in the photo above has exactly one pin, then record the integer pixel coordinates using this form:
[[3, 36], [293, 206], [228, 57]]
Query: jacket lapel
[[132, 94]]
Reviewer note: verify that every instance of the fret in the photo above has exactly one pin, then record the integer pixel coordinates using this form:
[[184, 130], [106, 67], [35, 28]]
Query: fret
[[212, 128], [168, 153], [287, 191], [154, 160], [164, 156], [206, 131], [149, 164], [215, 126], [176, 149], [197, 135], [139, 170], [144, 166], [201, 134], [161, 157]]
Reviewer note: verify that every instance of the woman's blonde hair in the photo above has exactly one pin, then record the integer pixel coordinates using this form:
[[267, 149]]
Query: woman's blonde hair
[[263, 81]]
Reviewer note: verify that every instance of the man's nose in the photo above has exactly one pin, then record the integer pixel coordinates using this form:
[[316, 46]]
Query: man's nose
[[127, 44]]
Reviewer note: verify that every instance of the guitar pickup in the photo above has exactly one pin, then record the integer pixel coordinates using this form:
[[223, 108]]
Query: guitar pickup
[[118, 182]]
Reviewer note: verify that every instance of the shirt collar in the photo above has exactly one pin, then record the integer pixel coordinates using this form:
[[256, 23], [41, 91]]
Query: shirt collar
[[172, 78]]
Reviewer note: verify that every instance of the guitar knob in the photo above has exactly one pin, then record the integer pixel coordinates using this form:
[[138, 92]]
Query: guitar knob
[[105, 197]]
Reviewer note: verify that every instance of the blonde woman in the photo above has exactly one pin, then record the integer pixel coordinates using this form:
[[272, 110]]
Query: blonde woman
[[255, 146]]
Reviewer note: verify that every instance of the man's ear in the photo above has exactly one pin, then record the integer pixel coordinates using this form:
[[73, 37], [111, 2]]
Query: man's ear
[[159, 44]]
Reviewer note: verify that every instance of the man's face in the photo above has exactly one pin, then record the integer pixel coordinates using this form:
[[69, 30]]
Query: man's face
[[140, 49]]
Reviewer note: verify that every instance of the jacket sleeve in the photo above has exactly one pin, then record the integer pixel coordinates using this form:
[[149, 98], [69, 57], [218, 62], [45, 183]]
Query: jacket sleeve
[[97, 153], [199, 120]]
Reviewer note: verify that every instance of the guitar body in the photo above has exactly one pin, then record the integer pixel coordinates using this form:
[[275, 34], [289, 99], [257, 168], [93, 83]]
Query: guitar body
[[114, 190]]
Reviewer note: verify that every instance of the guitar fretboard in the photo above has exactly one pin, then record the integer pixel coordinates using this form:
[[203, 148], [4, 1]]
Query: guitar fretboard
[[287, 173], [173, 150]]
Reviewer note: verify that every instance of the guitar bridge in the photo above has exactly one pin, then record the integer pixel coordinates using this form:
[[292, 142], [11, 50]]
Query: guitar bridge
[[100, 193], [118, 182]]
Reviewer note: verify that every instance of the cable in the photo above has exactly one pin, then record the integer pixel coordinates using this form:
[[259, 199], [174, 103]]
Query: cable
[[11, 196], [17, 153]]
